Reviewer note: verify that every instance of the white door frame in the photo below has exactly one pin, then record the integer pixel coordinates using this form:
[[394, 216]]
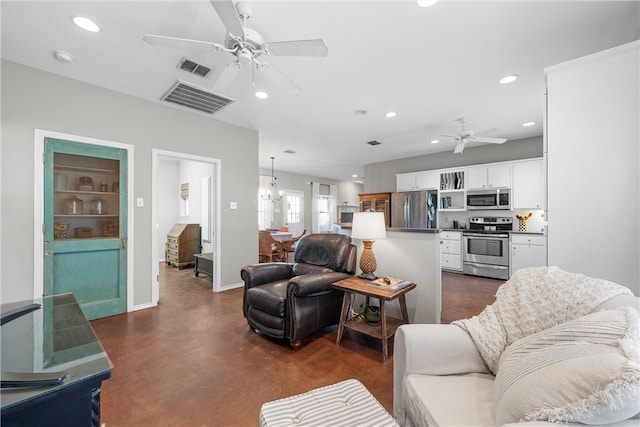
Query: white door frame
[[217, 225], [38, 206]]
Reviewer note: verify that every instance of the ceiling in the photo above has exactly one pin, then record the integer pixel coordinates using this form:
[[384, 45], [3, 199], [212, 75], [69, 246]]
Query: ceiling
[[430, 65]]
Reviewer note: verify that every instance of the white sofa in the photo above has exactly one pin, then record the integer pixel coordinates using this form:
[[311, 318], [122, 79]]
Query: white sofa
[[440, 378]]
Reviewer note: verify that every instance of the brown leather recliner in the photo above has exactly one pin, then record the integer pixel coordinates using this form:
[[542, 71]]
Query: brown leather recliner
[[295, 300]]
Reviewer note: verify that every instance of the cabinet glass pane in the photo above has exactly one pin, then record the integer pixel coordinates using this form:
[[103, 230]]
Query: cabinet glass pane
[[86, 197]]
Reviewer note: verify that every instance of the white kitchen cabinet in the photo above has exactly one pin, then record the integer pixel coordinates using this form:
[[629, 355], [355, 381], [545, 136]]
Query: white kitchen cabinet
[[427, 180], [451, 250], [413, 181], [527, 250], [488, 177], [528, 185]]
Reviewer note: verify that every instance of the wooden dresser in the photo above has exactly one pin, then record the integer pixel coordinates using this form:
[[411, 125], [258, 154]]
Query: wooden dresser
[[183, 241]]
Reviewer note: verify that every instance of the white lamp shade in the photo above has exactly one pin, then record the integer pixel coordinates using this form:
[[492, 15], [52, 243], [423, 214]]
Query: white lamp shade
[[368, 226]]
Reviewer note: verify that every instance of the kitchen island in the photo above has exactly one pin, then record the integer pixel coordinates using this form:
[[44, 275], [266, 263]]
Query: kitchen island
[[410, 254]]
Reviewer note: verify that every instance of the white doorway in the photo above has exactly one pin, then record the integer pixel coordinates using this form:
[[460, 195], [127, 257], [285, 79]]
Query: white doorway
[[202, 205], [293, 211]]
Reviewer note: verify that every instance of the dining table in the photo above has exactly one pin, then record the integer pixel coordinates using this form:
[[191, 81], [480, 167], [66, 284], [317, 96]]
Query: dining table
[[282, 235]]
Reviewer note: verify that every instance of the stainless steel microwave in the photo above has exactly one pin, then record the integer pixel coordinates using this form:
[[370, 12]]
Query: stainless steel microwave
[[492, 198]]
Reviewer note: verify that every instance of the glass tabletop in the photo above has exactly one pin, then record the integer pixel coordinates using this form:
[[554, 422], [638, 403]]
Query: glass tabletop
[[54, 338]]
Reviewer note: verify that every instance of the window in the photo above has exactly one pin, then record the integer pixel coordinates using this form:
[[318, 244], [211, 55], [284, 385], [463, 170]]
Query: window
[[294, 209]]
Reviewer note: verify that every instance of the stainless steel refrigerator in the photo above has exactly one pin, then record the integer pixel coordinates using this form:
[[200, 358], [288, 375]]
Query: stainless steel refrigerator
[[414, 209]]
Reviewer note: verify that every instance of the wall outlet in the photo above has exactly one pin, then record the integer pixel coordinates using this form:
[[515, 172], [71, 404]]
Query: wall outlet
[[233, 205], [140, 202]]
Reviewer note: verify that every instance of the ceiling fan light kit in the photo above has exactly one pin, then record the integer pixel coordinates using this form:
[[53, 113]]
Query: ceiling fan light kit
[[465, 136], [245, 46]]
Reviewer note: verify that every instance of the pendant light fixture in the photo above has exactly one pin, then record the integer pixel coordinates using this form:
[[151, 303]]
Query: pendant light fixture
[[273, 196], [272, 191]]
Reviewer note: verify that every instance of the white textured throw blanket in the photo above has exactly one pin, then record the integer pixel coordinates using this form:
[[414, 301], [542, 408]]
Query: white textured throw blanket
[[532, 300]]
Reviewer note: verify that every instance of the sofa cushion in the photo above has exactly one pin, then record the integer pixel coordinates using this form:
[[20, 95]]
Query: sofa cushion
[[533, 300], [449, 400], [586, 370]]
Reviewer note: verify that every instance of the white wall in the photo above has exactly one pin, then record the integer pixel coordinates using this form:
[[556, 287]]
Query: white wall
[[172, 173], [33, 99], [593, 160], [410, 256], [168, 201]]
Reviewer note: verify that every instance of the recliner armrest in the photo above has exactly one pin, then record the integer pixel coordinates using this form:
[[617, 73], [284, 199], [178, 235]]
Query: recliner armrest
[[309, 284], [258, 274]]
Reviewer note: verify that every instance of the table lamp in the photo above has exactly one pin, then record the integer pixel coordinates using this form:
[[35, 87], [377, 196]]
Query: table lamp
[[368, 226]]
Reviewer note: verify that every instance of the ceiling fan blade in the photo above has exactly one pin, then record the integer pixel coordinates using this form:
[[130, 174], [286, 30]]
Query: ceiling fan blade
[[227, 77], [314, 47], [490, 140], [276, 76], [451, 136], [459, 148], [178, 43], [228, 14]]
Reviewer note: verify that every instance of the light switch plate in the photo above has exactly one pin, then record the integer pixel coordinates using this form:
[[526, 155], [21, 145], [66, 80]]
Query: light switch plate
[[140, 202], [233, 205]]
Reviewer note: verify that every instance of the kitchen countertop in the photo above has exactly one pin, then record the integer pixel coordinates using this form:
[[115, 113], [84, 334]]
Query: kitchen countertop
[[440, 230], [403, 230], [462, 230]]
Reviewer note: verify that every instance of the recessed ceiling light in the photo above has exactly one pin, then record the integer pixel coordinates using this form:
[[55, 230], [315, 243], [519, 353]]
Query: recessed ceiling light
[[435, 141], [527, 124], [426, 3], [508, 79], [390, 114], [262, 95], [85, 23], [355, 175]]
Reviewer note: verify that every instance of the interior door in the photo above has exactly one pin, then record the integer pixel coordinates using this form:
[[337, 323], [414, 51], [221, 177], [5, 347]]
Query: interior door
[[293, 208], [85, 227]]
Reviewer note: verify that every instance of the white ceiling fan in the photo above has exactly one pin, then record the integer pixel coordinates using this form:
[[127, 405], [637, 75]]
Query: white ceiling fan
[[245, 46], [465, 136]]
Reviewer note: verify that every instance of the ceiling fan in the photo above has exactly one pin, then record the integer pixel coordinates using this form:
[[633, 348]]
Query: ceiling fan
[[245, 46], [465, 136]]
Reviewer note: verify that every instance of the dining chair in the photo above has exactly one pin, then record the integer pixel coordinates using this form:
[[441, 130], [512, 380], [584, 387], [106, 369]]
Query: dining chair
[[269, 249]]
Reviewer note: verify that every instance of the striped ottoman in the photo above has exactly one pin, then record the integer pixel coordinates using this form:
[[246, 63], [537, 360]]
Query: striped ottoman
[[347, 403]]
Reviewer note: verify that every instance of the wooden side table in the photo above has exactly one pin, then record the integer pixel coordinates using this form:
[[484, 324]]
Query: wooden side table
[[388, 325]]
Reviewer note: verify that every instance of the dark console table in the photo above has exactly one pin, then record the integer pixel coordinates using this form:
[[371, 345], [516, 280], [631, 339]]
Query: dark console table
[[56, 343], [204, 264]]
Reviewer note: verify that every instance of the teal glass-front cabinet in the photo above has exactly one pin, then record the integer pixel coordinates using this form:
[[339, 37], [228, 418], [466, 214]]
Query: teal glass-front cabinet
[[85, 212]]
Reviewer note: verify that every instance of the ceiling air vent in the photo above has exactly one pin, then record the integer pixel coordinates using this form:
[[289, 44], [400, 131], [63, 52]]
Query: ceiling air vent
[[194, 67], [188, 95], [374, 143]]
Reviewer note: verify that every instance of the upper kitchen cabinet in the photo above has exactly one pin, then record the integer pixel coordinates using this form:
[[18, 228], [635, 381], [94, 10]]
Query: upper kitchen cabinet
[[414, 181], [379, 202], [489, 176], [528, 185]]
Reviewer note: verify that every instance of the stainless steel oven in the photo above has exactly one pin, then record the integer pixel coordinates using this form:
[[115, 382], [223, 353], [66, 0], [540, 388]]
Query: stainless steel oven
[[486, 247]]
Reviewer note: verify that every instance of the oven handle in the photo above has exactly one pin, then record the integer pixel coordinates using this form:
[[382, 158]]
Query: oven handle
[[485, 235]]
